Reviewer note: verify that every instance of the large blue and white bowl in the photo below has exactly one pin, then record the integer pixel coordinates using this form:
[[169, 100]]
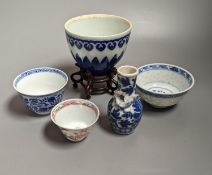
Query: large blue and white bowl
[[41, 88], [97, 41], [162, 85]]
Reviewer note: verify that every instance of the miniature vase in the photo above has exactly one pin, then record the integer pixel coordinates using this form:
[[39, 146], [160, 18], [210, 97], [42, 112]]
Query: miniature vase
[[125, 107]]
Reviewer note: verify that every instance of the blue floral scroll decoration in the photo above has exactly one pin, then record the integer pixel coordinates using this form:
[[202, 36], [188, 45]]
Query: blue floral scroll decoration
[[43, 104], [89, 45]]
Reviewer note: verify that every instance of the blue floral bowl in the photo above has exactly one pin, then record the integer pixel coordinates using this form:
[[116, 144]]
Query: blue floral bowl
[[162, 85], [98, 41], [41, 88]]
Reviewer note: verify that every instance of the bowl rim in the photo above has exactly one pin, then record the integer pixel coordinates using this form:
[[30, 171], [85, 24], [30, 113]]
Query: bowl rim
[[171, 94], [74, 99], [86, 16], [40, 95]]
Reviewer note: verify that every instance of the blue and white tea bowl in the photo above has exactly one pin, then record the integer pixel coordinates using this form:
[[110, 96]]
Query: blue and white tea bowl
[[41, 88], [162, 85], [97, 41]]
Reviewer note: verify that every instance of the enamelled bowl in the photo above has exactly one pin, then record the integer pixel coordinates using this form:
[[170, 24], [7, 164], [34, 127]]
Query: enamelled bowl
[[41, 88], [162, 85], [74, 117], [97, 41]]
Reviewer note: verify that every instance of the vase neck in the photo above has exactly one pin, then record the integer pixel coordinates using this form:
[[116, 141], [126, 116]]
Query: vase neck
[[127, 78], [127, 84]]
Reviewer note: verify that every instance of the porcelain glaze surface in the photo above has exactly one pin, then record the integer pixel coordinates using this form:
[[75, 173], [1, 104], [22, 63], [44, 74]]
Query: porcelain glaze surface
[[74, 117], [41, 88], [125, 108], [97, 47], [163, 85]]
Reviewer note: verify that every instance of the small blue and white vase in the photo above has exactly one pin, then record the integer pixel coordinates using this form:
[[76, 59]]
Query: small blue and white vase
[[125, 107]]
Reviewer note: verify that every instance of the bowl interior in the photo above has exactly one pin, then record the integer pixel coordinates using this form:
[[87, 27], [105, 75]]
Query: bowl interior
[[97, 25], [40, 81], [164, 79], [75, 114]]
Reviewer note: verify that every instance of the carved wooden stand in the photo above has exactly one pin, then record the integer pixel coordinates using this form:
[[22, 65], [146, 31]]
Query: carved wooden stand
[[94, 84]]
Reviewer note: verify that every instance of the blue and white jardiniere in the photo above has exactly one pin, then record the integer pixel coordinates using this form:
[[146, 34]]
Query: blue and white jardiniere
[[97, 41], [162, 85], [125, 108], [41, 88]]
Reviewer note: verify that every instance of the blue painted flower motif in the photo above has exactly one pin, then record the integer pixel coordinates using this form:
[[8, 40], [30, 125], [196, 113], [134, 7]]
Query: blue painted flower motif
[[71, 41], [128, 90], [137, 108], [88, 46], [121, 43], [42, 104], [100, 46], [78, 44], [124, 123], [111, 45], [127, 84], [33, 101], [116, 112], [124, 81], [127, 115]]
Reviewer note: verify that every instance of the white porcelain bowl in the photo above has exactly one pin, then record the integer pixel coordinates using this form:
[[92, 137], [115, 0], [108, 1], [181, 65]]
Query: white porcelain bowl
[[97, 41], [41, 88], [162, 85], [74, 117]]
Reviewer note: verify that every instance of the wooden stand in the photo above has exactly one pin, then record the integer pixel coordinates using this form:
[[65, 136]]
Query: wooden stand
[[95, 84]]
